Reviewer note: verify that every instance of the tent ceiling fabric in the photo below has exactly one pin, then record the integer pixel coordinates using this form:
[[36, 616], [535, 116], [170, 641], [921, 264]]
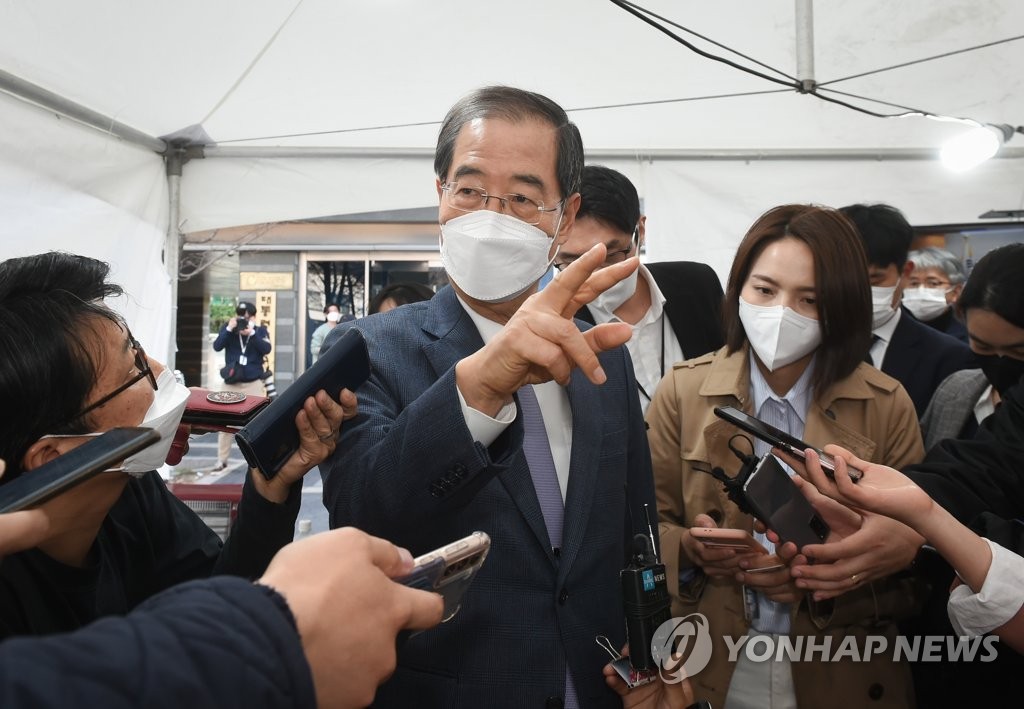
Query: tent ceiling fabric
[[245, 70], [243, 73]]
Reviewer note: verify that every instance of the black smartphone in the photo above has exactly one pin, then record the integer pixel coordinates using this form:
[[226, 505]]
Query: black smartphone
[[781, 440], [76, 466], [449, 570], [269, 439], [778, 502]]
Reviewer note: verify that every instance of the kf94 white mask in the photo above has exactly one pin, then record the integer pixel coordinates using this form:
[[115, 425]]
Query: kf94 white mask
[[779, 335], [494, 257], [925, 303], [163, 416], [881, 305]]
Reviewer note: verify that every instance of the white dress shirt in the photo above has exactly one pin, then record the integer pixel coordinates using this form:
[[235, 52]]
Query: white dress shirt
[[883, 336], [1000, 597], [653, 347], [554, 405]]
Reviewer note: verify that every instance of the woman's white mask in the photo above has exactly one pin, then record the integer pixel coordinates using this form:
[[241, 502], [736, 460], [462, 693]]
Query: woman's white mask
[[779, 335], [494, 257]]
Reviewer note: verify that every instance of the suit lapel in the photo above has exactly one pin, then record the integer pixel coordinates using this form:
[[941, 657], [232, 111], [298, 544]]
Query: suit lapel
[[453, 333], [585, 403], [456, 336]]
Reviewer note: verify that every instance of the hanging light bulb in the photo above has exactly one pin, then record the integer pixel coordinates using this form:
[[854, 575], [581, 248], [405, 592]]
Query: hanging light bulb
[[974, 147]]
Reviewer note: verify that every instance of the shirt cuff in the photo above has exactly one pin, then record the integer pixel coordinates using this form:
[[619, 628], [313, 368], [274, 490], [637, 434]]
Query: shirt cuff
[[482, 427], [998, 601]]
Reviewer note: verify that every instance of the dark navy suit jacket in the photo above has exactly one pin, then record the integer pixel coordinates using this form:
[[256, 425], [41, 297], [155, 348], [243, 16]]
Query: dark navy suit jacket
[[693, 305], [407, 469], [920, 357]]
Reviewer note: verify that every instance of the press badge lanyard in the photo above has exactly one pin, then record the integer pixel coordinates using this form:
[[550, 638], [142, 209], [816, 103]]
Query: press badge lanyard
[[661, 359], [242, 359]]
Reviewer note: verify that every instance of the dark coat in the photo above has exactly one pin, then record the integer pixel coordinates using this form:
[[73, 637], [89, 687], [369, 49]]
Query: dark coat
[[920, 357], [220, 642], [980, 482], [148, 542], [407, 468], [254, 347]]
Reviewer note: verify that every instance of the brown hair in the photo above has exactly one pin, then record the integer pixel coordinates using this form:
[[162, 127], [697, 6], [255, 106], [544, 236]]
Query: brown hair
[[842, 289]]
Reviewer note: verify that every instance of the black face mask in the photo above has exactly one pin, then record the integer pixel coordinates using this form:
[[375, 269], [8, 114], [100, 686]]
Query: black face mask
[[1002, 372]]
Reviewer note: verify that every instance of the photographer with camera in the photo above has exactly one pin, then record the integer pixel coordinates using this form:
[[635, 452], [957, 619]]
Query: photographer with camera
[[245, 344]]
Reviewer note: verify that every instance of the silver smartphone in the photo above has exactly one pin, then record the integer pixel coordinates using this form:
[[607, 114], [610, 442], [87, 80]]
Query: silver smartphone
[[449, 570]]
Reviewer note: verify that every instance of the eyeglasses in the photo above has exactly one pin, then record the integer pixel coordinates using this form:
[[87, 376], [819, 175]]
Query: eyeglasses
[[470, 199], [612, 258], [141, 364], [929, 283]]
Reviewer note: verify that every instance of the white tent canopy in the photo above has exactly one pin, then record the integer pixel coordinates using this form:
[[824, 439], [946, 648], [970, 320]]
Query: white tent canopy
[[322, 107]]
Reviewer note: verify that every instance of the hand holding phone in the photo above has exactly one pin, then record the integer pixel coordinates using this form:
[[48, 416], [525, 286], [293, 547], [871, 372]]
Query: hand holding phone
[[743, 542], [449, 570], [779, 504], [33, 487], [269, 439], [780, 439]]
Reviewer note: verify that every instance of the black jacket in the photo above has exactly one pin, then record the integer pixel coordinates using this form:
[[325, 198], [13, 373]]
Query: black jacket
[[980, 482], [148, 542], [919, 357], [214, 643], [254, 347]]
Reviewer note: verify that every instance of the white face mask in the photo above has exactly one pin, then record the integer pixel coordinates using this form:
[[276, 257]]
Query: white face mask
[[881, 305], [333, 317], [617, 294], [494, 257], [779, 335], [925, 303], [163, 416]]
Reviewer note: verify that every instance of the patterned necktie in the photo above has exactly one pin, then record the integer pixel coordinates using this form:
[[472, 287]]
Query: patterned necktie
[[537, 450]]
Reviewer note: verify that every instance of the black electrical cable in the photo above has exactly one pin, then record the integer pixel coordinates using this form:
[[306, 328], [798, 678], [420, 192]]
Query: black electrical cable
[[708, 40], [628, 7], [796, 86]]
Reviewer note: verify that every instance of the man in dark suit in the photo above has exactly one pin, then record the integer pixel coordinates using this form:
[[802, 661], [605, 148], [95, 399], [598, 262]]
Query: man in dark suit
[[674, 308], [917, 356], [476, 418]]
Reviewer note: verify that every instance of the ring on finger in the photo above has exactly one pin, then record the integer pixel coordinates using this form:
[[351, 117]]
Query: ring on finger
[[854, 577]]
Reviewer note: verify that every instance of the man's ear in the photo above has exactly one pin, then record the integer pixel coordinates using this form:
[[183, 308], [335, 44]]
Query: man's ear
[[572, 205], [46, 449], [908, 268], [641, 232]]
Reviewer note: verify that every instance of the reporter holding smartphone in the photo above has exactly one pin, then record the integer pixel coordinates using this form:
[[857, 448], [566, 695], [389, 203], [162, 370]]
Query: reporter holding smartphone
[[318, 629], [795, 343], [121, 536]]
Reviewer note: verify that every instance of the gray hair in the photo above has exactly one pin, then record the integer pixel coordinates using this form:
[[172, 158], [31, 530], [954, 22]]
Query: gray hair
[[934, 257], [513, 105]]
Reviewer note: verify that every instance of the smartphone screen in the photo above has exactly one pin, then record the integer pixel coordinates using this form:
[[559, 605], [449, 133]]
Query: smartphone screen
[[780, 439], [450, 570], [778, 503], [36, 486]]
